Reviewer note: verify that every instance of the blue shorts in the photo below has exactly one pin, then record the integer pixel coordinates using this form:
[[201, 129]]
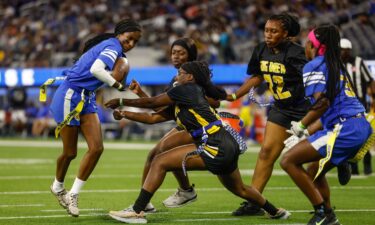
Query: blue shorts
[[353, 134], [66, 98]]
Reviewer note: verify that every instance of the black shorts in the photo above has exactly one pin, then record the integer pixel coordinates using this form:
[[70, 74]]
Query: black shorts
[[284, 117], [226, 159]]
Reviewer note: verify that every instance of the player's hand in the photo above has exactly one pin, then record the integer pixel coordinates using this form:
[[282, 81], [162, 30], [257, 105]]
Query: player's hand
[[119, 86], [135, 87], [113, 103], [229, 98], [292, 141], [297, 129], [118, 115]]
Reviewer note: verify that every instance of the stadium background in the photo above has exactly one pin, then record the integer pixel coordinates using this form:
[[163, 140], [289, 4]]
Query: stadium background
[[39, 38]]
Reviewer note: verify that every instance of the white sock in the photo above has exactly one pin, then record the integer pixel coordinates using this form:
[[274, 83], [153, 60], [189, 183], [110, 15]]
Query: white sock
[[77, 186], [57, 186]]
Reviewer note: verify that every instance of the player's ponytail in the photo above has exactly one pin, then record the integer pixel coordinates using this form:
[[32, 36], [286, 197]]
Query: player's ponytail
[[329, 39]]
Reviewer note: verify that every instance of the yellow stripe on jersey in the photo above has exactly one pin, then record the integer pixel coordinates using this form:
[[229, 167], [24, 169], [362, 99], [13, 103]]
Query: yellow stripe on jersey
[[204, 122], [178, 121], [212, 150]]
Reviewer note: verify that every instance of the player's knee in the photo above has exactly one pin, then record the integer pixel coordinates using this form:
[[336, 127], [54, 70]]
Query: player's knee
[[266, 155], [96, 150], [70, 155], [284, 162]]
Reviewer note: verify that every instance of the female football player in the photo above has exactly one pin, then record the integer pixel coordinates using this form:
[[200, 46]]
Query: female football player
[[74, 108]]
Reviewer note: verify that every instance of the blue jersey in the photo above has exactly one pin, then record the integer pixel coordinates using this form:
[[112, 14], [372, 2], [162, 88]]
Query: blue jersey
[[345, 104], [79, 74]]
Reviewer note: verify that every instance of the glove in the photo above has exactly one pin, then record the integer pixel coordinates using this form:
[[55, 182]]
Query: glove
[[297, 129], [292, 141]]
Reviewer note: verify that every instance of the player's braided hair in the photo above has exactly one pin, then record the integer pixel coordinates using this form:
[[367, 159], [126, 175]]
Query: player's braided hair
[[202, 75], [329, 36], [189, 45], [126, 25], [289, 23]]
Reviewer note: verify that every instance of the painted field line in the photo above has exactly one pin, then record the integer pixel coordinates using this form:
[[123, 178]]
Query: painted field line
[[173, 189], [275, 172], [24, 205], [107, 145], [292, 211], [64, 210]]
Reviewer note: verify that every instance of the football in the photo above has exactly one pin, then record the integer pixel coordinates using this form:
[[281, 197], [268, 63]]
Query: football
[[121, 69]]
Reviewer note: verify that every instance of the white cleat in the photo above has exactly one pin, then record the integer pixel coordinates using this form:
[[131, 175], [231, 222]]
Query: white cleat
[[281, 214], [180, 198], [128, 216], [72, 204], [60, 197]]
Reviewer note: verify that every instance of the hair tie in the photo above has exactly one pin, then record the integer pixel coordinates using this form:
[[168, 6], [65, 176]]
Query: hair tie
[[316, 43]]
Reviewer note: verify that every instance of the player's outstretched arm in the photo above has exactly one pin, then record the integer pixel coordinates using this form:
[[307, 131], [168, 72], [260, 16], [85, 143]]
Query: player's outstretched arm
[[148, 118], [148, 103]]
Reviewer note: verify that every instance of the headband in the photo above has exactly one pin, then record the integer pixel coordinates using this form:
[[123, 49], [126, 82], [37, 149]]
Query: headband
[[316, 43]]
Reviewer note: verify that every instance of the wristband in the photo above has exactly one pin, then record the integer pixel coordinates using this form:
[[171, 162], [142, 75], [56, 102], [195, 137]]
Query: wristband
[[121, 102], [120, 87], [301, 125], [234, 96]]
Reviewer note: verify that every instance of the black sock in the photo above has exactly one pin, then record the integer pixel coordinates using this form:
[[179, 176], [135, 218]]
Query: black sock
[[144, 197], [271, 209], [320, 208]]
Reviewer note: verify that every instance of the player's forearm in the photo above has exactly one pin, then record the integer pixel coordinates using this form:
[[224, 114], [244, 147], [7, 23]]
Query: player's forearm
[[98, 70], [245, 88], [147, 118], [316, 111], [147, 103]]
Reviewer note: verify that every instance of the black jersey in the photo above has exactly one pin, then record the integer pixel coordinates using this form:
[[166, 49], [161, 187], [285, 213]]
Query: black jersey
[[282, 72], [191, 109]]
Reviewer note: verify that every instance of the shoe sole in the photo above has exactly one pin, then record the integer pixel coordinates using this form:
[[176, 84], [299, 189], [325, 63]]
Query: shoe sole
[[62, 205], [182, 204], [128, 220], [259, 213]]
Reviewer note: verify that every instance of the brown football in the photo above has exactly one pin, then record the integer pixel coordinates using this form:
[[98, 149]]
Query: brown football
[[120, 69]]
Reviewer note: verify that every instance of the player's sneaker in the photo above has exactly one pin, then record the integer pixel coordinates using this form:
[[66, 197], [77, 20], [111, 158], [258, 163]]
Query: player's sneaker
[[248, 209], [72, 204], [318, 218], [128, 216], [281, 214], [60, 197], [344, 173], [180, 198]]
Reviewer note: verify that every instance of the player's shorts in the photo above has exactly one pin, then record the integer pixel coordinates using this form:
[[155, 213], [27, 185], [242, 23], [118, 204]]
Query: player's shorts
[[221, 153], [65, 100], [352, 136], [284, 117]]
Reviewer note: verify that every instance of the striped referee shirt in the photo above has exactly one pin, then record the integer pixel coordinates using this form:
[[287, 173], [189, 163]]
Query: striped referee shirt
[[360, 76]]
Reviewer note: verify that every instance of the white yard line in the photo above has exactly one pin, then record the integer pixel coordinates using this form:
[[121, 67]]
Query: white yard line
[[24, 205], [107, 145], [176, 220], [64, 210], [172, 189]]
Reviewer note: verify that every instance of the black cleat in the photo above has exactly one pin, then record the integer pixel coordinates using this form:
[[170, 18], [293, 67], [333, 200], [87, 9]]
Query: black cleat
[[248, 209], [344, 173], [324, 219]]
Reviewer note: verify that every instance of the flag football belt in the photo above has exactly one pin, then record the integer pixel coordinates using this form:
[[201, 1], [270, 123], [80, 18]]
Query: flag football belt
[[43, 88], [73, 114], [203, 131], [369, 143], [330, 144]]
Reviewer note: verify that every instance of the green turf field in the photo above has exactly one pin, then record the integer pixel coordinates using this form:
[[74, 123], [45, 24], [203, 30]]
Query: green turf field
[[27, 170]]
